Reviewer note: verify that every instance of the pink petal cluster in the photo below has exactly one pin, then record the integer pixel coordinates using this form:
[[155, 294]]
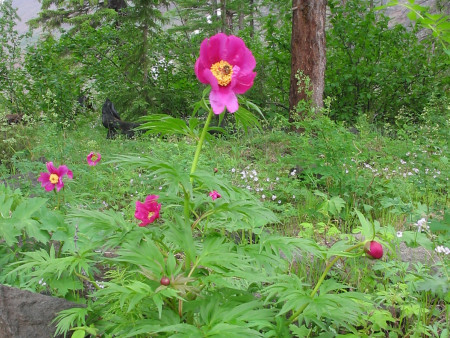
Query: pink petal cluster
[[53, 178], [374, 249], [214, 195], [227, 65], [148, 211], [93, 158]]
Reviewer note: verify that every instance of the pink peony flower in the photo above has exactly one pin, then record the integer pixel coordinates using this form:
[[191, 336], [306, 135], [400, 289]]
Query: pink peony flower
[[214, 195], [54, 177], [93, 158], [374, 249], [227, 65], [148, 211]]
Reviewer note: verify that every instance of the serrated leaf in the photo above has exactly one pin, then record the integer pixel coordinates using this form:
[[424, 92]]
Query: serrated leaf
[[335, 206], [367, 228], [246, 119], [27, 208]]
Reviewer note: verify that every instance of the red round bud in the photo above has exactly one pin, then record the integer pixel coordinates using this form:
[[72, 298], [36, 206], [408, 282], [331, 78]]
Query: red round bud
[[374, 249], [215, 170], [165, 281]]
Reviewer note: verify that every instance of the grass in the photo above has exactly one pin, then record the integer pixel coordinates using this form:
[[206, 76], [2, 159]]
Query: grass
[[313, 182]]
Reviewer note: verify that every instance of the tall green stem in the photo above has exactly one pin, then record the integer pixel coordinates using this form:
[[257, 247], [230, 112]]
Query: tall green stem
[[200, 143], [195, 162], [320, 281]]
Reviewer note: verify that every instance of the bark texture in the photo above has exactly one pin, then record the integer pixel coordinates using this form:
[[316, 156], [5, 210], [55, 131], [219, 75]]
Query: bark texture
[[308, 51], [24, 314]]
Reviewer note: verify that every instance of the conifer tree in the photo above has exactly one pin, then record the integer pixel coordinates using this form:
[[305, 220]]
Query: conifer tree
[[55, 13]]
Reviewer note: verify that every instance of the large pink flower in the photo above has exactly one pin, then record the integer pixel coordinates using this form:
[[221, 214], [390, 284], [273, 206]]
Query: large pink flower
[[93, 158], [54, 177], [148, 211], [227, 65]]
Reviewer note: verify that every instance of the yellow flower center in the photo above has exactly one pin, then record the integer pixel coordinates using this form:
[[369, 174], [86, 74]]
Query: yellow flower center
[[222, 71], [94, 158], [150, 214], [54, 178]]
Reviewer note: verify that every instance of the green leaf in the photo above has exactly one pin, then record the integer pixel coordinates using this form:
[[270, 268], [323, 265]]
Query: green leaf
[[165, 125], [301, 331], [5, 205], [412, 16], [8, 232], [367, 227], [246, 119], [27, 208], [336, 204], [68, 318], [80, 333]]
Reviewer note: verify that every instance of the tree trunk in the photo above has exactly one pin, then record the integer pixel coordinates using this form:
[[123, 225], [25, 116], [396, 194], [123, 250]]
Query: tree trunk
[[223, 13], [144, 58], [214, 12], [307, 54], [117, 5]]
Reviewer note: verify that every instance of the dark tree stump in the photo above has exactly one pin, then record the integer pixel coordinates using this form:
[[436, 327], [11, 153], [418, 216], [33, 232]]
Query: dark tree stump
[[13, 118], [111, 121]]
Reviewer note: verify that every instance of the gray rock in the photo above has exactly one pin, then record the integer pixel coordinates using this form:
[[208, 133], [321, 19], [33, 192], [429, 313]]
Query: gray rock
[[24, 314]]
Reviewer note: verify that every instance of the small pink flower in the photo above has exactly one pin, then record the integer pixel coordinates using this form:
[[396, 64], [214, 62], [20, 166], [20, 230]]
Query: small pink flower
[[54, 177], [148, 211], [214, 195], [374, 249], [93, 158], [227, 65]]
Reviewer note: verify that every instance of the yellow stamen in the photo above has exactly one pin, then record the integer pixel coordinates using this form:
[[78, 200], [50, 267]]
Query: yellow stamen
[[150, 214], [54, 178], [222, 71], [93, 158]]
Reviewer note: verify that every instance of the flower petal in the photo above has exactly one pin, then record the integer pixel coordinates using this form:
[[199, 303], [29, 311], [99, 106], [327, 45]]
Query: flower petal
[[224, 97], [51, 168], [243, 82], [239, 55], [212, 50], [44, 177], [151, 198], [69, 174], [59, 185], [217, 102], [211, 79], [48, 186], [199, 69]]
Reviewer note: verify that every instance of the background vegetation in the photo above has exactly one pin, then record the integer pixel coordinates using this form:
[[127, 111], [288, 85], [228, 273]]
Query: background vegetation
[[291, 202]]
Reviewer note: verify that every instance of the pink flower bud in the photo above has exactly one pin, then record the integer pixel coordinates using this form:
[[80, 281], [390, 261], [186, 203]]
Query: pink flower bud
[[214, 195], [165, 281], [373, 249]]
